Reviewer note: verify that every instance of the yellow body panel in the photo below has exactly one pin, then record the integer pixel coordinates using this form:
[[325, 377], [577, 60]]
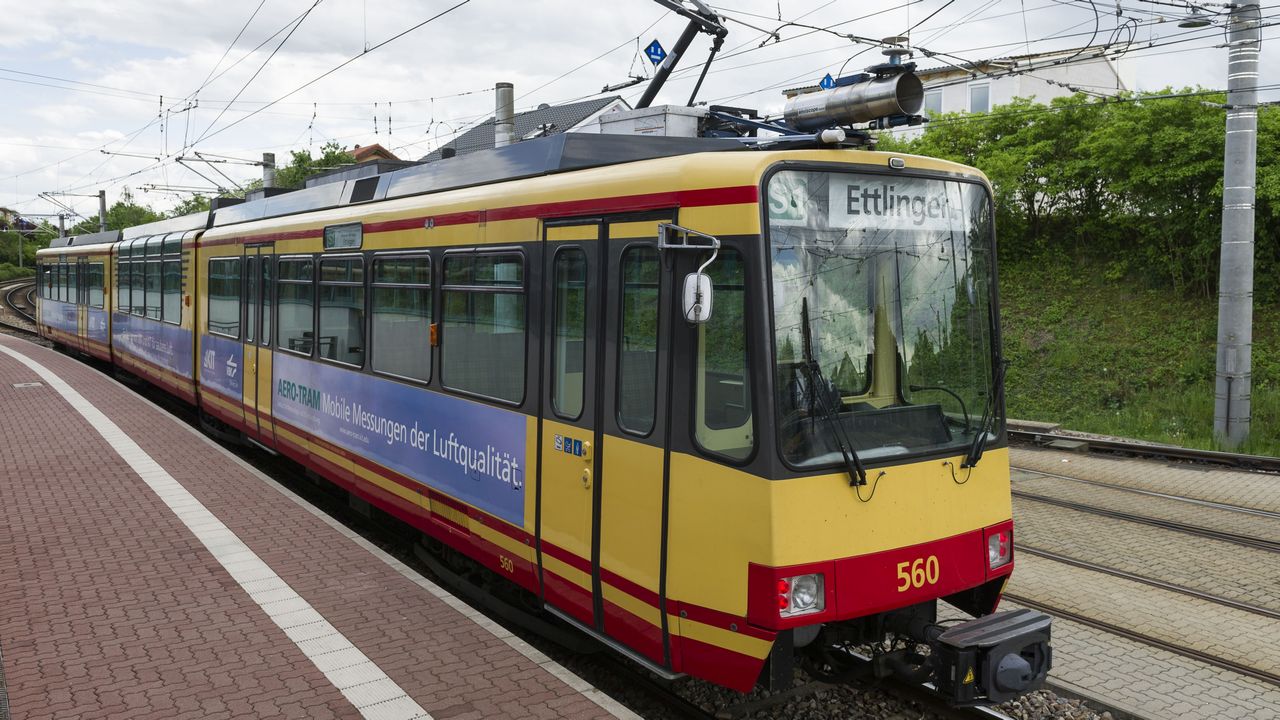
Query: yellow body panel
[[802, 520], [567, 482], [631, 511]]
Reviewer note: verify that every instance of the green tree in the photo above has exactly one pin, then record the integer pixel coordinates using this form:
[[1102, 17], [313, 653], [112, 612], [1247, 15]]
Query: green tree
[[302, 166], [1133, 182], [124, 213], [193, 204]]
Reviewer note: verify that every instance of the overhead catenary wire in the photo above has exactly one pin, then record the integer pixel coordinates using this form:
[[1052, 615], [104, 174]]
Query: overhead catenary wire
[[257, 72], [1149, 50]]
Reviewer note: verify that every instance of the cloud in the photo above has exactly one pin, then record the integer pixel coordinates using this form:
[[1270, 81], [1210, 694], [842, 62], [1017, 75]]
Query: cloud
[[145, 50]]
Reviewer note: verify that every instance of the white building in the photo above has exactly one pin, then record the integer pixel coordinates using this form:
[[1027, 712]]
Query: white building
[[981, 86]]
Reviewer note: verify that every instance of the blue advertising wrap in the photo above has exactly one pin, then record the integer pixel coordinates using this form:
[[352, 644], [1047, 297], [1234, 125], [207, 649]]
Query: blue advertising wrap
[[97, 320], [469, 450], [220, 360], [59, 315], [162, 344]]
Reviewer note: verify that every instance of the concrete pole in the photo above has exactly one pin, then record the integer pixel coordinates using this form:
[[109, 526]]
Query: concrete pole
[[102, 211], [1232, 397], [62, 225]]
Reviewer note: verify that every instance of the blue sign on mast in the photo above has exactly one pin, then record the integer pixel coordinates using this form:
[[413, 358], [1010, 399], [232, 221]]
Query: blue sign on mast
[[655, 52], [827, 82]]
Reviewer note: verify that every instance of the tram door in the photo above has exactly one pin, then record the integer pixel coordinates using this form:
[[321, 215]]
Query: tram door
[[572, 290], [604, 428], [258, 272]]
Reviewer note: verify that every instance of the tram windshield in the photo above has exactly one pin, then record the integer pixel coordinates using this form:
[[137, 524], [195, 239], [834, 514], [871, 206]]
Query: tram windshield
[[882, 294]]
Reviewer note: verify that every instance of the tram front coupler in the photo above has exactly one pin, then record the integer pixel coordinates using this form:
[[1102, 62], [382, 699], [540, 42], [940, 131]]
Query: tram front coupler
[[983, 661], [992, 659]]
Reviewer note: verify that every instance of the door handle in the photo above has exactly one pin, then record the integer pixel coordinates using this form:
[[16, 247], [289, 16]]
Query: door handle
[[586, 479]]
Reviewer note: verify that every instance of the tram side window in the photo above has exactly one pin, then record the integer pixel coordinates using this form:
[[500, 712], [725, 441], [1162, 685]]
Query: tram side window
[[95, 285], [137, 281], [62, 282], [295, 298], [171, 270], [46, 282], [638, 346], [122, 281], [722, 396], [73, 287], [224, 296], [569, 332], [483, 347], [155, 275], [402, 317], [342, 310], [265, 337]]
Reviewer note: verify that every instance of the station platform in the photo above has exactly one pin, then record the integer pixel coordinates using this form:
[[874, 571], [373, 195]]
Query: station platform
[[148, 572]]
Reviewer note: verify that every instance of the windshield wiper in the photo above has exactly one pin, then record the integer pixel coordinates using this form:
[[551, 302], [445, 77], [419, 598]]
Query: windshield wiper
[[852, 464], [979, 444]]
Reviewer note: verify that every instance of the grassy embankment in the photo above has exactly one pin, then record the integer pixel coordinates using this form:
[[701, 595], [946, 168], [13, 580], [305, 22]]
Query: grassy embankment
[[1108, 357]]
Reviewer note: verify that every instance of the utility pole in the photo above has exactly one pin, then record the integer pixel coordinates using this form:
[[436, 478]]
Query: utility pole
[[102, 211], [1232, 396]]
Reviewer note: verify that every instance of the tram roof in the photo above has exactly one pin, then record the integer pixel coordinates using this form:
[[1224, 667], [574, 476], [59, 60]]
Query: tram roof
[[98, 238], [530, 158]]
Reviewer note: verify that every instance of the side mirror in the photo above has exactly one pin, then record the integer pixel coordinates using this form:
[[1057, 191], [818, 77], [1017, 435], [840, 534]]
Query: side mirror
[[696, 302]]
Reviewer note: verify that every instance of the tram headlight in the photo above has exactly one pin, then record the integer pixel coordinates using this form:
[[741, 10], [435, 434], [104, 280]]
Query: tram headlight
[[999, 548], [801, 594]]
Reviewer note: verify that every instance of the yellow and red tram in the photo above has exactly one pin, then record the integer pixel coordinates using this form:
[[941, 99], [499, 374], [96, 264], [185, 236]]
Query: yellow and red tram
[[807, 456]]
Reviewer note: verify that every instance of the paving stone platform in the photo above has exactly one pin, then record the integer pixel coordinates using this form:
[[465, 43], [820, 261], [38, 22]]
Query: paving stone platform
[[148, 572]]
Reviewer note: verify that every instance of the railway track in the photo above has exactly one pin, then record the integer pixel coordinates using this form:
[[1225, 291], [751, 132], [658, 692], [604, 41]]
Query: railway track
[[1153, 582], [1228, 507], [1133, 448], [1204, 657], [17, 297], [1143, 512], [1245, 540]]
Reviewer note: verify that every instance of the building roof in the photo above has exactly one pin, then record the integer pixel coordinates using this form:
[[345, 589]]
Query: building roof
[[372, 152], [546, 120]]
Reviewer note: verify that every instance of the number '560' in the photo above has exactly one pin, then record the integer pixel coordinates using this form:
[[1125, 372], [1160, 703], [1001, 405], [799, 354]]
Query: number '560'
[[917, 573]]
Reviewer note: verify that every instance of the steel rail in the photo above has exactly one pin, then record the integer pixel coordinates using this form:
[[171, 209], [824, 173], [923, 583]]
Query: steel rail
[[1151, 450], [1245, 540], [1166, 496], [1172, 587], [1223, 663], [8, 299], [9, 304]]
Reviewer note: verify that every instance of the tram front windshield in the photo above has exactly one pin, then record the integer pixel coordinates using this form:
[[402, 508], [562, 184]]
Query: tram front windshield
[[882, 314]]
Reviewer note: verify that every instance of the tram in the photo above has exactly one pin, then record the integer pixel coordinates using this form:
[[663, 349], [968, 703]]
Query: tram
[[725, 406]]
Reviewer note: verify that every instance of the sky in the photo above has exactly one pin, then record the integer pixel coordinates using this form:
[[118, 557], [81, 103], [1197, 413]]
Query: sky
[[162, 87]]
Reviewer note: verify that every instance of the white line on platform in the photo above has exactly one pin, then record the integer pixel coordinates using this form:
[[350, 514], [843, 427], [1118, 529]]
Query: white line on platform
[[357, 677]]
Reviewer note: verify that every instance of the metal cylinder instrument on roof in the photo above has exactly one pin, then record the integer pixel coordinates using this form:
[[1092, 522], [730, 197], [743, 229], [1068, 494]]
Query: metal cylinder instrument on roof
[[900, 94]]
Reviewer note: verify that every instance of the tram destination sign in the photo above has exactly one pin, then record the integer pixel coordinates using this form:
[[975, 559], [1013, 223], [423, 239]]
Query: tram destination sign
[[881, 203]]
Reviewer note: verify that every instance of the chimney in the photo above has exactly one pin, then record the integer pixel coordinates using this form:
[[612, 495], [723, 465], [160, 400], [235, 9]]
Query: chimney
[[504, 122], [268, 170]]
